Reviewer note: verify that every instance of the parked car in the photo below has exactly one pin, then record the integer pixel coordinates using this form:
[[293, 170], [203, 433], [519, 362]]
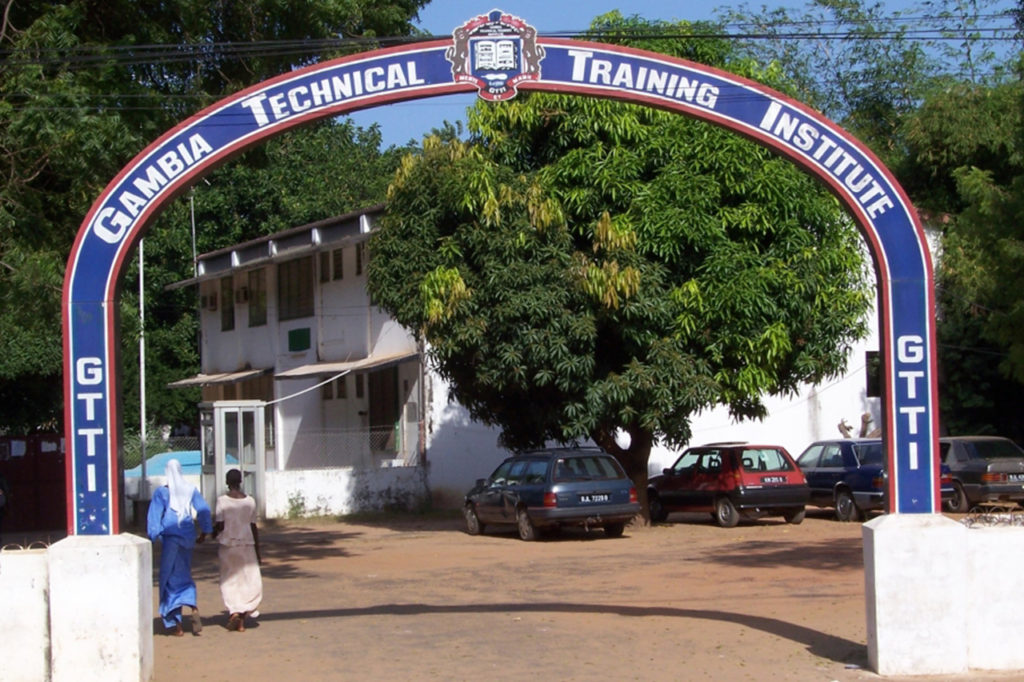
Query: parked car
[[984, 469], [731, 481], [547, 489], [848, 474]]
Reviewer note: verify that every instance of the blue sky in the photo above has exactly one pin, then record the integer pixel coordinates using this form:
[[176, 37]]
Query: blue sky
[[410, 120]]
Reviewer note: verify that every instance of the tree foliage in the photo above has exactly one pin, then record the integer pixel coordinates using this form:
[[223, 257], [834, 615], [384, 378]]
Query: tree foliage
[[580, 266], [85, 85]]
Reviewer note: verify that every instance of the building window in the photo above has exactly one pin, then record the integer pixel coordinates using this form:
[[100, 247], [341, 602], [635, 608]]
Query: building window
[[257, 298], [325, 266], [339, 268], [327, 391], [359, 385], [360, 257], [227, 306], [341, 387], [295, 288], [873, 361]]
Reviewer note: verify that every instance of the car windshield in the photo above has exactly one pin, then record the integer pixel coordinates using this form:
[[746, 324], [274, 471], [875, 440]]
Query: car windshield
[[587, 468], [995, 449], [764, 459], [870, 454]]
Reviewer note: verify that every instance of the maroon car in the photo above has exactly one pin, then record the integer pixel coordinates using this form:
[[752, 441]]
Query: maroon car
[[731, 481]]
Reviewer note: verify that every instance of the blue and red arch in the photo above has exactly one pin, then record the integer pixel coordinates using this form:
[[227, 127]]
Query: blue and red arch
[[119, 217]]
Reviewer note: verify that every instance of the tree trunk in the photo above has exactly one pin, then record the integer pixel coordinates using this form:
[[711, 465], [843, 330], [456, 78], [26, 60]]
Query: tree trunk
[[633, 459]]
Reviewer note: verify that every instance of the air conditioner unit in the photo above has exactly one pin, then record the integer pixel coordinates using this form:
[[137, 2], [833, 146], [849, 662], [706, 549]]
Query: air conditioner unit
[[242, 295]]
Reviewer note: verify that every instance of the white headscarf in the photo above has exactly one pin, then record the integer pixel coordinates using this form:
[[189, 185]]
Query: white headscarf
[[181, 491]]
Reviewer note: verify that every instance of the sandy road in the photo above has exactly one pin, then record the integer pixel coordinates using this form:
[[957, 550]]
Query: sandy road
[[418, 599]]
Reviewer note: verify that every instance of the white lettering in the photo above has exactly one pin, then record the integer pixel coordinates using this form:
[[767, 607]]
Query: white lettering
[[297, 103], [117, 219], [911, 377], [879, 207], [707, 95], [912, 412], [910, 349], [277, 106], [171, 164], [255, 105], [149, 185], [89, 371], [90, 444], [579, 63], [90, 403], [132, 203]]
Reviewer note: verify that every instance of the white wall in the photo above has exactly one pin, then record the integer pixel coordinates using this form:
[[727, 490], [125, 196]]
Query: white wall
[[318, 492], [460, 451]]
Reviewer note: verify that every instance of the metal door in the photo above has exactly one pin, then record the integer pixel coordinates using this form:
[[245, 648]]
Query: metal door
[[232, 438]]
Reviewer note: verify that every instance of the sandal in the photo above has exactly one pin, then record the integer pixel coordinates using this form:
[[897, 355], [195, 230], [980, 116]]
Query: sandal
[[235, 622], [197, 622]]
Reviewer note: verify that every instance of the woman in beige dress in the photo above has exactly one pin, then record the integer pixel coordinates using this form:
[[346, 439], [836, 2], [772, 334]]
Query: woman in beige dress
[[241, 584]]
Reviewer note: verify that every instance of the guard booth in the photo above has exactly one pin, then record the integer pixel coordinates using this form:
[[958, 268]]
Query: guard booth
[[232, 437]]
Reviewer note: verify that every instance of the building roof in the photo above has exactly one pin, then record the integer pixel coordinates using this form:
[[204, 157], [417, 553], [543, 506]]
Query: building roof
[[331, 233]]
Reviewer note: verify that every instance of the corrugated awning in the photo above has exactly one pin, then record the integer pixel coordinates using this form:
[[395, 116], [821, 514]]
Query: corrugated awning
[[217, 378], [329, 368]]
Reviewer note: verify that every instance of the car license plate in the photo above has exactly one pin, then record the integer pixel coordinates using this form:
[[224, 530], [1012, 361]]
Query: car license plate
[[1016, 477], [595, 497], [773, 479]]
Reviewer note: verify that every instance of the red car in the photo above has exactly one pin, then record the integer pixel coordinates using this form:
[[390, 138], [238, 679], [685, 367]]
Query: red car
[[731, 481]]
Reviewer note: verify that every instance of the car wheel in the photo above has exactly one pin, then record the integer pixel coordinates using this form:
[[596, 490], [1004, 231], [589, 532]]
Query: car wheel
[[958, 504], [614, 530], [473, 525], [846, 508], [795, 515], [656, 508], [527, 531], [725, 513]]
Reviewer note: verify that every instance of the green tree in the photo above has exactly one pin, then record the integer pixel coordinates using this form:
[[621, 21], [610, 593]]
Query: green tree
[[84, 86], [581, 266]]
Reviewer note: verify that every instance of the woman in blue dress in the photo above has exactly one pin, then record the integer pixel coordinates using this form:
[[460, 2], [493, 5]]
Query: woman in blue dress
[[170, 519]]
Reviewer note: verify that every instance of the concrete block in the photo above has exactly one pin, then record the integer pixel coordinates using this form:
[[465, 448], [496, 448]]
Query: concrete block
[[915, 577], [101, 609], [25, 625], [995, 609]]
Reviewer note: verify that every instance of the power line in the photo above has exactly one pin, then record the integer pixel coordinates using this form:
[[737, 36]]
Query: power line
[[166, 53]]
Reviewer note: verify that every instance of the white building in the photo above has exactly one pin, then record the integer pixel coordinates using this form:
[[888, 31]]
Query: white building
[[351, 419]]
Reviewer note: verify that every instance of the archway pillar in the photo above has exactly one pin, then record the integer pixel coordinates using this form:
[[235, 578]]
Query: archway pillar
[[915, 577]]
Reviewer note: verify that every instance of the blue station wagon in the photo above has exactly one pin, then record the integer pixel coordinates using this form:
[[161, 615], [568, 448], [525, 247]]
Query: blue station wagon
[[547, 489]]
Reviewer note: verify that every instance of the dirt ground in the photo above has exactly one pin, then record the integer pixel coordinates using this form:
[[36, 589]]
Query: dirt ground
[[419, 599]]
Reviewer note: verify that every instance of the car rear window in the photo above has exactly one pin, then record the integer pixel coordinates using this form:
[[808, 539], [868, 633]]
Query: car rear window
[[764, 459], [995, 449], [587, 468], [869, 454]]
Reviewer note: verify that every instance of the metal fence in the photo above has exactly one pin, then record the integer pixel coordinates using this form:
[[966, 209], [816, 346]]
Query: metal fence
[[132, 448], [355, 448]]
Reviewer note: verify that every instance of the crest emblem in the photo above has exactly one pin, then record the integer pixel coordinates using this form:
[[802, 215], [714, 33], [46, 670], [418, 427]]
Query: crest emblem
[[495, 51]]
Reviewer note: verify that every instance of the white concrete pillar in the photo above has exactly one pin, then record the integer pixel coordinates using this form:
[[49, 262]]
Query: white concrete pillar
[[101, 609], [995, 611], [915, 577], [25, 623]]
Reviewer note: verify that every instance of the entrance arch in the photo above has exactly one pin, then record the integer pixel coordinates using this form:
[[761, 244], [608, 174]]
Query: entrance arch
[[495, 54]]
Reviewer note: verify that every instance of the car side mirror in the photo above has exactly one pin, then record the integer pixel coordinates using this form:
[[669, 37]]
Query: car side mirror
[[480, 482], [668, 471]]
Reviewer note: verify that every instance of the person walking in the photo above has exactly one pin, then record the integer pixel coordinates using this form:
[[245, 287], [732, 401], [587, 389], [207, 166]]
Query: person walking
[[170, 519], [241, 583]]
